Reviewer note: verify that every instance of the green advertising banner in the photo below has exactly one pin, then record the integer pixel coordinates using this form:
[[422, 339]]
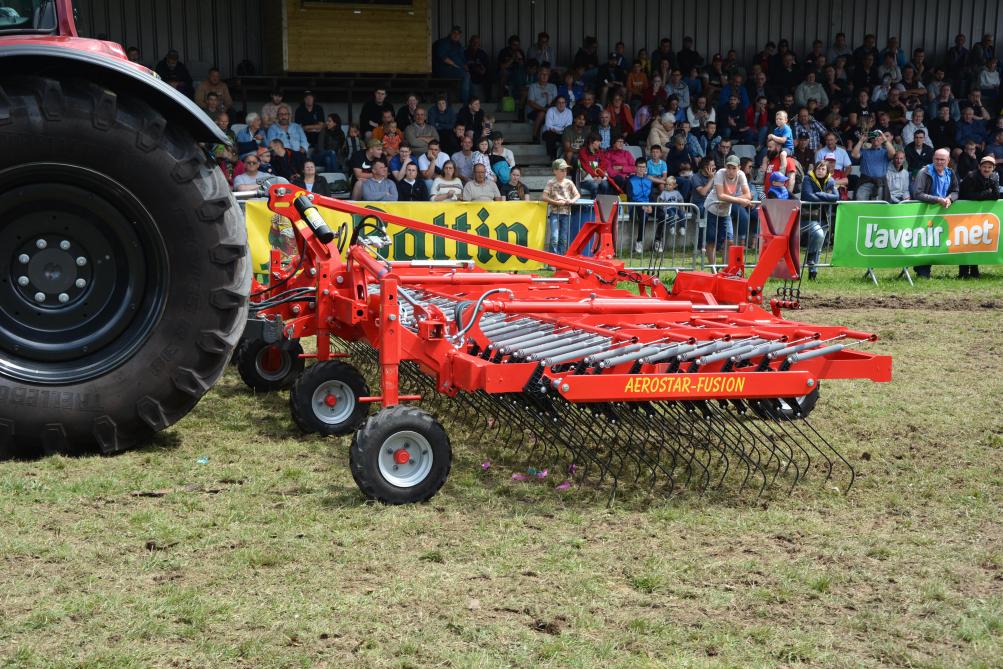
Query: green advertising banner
[[899, 235]]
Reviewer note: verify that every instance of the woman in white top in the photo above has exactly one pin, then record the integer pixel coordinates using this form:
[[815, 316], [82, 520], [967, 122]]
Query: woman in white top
[[448, 186], [483, 156]]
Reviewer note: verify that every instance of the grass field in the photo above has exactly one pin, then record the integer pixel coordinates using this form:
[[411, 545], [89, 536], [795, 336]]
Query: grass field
[[234, 542]]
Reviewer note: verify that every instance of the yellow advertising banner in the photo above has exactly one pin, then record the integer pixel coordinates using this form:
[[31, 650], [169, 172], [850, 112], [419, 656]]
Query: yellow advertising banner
[[523, 223]]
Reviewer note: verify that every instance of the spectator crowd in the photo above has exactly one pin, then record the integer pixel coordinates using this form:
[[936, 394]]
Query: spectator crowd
[[839, 122]]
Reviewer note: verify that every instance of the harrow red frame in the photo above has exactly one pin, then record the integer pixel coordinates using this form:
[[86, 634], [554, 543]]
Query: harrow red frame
[[582, 294]]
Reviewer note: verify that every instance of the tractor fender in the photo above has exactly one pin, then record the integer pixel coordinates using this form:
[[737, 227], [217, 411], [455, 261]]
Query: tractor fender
[[122, 76]]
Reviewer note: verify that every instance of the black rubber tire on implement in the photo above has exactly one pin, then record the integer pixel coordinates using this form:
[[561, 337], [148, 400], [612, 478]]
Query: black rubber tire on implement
[[335, 378], [138, 252], [793, 408], [251, 364], [392, 429]]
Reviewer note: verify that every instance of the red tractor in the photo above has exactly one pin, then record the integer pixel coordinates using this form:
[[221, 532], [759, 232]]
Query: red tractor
[[123, 255]]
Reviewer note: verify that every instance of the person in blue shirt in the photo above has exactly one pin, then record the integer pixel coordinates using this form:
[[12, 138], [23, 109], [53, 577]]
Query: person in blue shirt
[[449, 61], [639, 189], [657, 168], [290, 134], [970, 128], [783, 136], [875, 153]]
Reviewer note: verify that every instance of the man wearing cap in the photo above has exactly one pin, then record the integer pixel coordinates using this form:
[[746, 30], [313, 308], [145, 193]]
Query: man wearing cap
[[362, 165], [213, 83], [449, 61], [310, 116], [560, 193], [936, 184], [982, 184], [875, 154], [174, 72]]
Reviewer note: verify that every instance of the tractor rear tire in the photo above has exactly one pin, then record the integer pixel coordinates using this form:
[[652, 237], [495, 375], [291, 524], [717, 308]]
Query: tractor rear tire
[[266, 367], [123, 268], [401, 455]]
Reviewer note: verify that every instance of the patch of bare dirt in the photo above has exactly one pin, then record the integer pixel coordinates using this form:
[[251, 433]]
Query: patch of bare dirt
[[940, 302]]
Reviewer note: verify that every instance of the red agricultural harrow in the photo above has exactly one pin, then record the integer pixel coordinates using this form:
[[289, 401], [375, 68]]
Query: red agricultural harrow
[[691, 386]]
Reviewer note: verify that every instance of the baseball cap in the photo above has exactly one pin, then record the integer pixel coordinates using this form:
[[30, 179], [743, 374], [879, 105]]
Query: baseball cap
[[829, 156], [373, 143], [802, 134], [613, 55], [988, 159], [559, 164], [874, 134], [778, 177], [733, 160], [307, 92], [172, 53], [456, 29]]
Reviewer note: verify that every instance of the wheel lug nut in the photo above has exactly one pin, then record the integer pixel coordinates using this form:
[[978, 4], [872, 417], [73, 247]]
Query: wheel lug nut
[[41, 243], [22, 280], [40, 297], [395, 467], [81, 261], [80, 283], [65, 245], [390, 451], [410, 462], [64, 298], [24, 258]]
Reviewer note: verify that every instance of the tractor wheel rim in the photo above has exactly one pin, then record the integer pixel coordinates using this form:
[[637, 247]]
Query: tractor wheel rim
[[85, 277], [410, 472], [337, 411], [270, 372]]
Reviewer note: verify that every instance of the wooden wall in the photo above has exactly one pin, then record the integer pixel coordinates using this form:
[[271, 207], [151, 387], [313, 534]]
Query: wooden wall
[[360, 38]]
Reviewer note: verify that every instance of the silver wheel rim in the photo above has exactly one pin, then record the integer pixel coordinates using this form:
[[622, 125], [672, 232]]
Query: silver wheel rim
[[337, 409], [276, 375], [409, 473]]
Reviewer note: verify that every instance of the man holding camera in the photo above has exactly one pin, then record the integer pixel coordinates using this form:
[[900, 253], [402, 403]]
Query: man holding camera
[[875, 154]]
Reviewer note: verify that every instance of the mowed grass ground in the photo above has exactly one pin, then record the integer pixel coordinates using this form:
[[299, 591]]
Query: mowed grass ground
[[235, 542]]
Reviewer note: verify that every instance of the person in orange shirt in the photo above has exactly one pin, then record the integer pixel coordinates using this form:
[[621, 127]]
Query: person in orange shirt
[[637, 81], [391, 139]]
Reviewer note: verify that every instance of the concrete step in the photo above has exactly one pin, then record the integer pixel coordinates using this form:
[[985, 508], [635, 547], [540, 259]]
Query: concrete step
[[537, 171], [536, 183], [514, 132], [530, 154]]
